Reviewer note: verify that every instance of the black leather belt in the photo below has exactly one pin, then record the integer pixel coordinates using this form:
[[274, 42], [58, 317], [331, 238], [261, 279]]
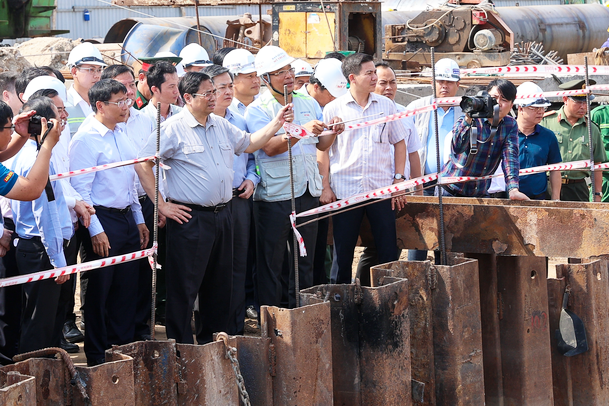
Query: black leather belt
[[142, 198], [237, 192], [113, 210], [566, 181], [216, 209]]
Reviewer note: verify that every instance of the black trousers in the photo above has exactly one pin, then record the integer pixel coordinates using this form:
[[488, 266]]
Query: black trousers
[[273, 229], [199, 261], [10, 304], [250, 288], [144, 286], [346, 228], [112, 291], [68, 289], [41, 319], [240, 211], [319, 262]]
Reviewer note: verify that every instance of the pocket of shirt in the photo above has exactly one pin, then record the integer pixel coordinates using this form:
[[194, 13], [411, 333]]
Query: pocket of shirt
[[227, 154], [193, 149], [379, 134]]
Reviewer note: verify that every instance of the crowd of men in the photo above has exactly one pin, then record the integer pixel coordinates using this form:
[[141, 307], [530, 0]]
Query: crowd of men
[[226, 238]]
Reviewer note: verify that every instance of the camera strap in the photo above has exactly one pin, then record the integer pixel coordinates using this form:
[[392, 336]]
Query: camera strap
[[473, 142]]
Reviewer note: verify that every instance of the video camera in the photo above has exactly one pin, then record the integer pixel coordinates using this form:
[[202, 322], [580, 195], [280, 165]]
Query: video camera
[[482, 105]]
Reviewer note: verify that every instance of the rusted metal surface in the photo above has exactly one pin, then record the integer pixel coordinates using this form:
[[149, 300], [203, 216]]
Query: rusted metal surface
[[525, 331], [504, 227], [588, 299], [109, 384], [370, 341], [256, 359], [154, 371], [303, 347], [561, 371], [458, 334], [17, 389], [422, 279], [205, 375], [490, 315]]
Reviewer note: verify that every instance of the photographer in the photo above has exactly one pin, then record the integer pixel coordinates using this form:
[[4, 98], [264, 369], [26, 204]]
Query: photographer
[[495, 137], [41, 226]]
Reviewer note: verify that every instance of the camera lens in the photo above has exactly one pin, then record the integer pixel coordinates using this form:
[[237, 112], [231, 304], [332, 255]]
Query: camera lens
[[471, 104]]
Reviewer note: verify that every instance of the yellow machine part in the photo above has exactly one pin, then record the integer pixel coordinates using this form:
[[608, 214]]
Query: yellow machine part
[[306, 35]]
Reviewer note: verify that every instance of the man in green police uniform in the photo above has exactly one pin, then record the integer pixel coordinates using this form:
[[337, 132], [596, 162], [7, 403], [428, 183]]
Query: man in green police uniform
[[600, 116], [142, 91], [569, 125]]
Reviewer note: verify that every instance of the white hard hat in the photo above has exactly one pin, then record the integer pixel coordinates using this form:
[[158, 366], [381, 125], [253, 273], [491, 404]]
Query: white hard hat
[[330, 75], [447, 69], [270, 58], [45, 82], [85, 53], [240, 61], [528, 88], [194, 55], [302, 68]]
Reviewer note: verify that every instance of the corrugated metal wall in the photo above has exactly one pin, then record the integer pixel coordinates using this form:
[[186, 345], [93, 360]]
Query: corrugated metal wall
[[69, 15]]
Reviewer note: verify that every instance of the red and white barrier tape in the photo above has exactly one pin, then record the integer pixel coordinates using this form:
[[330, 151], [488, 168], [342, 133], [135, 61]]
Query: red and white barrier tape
[[455, 101], [566, 166], [539, 69], [68, 270], [301, 244], [298, 131], [103, 167]]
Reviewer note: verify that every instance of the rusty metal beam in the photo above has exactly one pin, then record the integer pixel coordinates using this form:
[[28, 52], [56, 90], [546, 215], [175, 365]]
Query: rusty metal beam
[[504, 227], [370, 341], [17, 389], [188, 3], [303, 349]]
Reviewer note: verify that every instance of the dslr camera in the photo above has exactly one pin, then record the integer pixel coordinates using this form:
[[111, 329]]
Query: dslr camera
[[482, 105], [35, 125]]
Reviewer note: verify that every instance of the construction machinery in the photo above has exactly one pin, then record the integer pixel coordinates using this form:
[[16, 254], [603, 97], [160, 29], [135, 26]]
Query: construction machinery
[[27, 18]]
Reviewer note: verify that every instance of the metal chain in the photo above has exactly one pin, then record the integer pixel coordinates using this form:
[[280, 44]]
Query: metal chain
[[231, 354]]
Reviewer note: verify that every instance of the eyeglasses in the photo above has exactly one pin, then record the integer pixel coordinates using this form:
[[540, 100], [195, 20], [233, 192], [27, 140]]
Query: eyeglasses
[[95, 71], [12, 127], [121, 103], [532, 108], [208, 95], [283, 72], [577, 101]]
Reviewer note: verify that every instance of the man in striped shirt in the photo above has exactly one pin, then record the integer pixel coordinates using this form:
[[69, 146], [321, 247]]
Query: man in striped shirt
[[360, 161], [491, 148]]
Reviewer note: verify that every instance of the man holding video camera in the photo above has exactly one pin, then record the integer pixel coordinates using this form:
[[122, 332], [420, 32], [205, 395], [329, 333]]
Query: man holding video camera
[[481, 139]]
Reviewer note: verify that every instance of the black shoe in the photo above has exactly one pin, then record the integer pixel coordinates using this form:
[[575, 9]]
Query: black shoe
[[68, 347], [95, 362], [71, 333]]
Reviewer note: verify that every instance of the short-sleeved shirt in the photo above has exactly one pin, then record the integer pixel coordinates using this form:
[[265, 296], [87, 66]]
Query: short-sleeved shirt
[[574, 142], [413, 143], [200, 156], [361, 159], [539, 148], [8, 179], [600, 116]]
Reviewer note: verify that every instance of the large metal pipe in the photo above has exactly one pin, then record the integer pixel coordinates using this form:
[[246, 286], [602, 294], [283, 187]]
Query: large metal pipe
[[565, 29]]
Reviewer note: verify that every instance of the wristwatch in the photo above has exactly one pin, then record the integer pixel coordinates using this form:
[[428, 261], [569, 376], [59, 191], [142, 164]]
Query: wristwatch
[[597, 194], [398, 176]]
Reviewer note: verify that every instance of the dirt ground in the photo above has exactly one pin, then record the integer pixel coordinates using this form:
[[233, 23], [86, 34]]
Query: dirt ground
[[251, 327]]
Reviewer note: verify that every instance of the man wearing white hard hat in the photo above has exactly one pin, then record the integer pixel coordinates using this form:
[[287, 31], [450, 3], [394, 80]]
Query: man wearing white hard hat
[[45, 86], [194, 58], [325, 84], [86, 65], [246, 83], [538, 146], [272, 196], [302, 72], [448, 76]]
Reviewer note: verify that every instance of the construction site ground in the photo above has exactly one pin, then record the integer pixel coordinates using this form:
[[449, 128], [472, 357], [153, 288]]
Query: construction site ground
[[251, 325]]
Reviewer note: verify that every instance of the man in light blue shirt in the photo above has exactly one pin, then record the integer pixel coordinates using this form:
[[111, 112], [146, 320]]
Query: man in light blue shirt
[[244, 182], [118, 225], [42, 226]]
